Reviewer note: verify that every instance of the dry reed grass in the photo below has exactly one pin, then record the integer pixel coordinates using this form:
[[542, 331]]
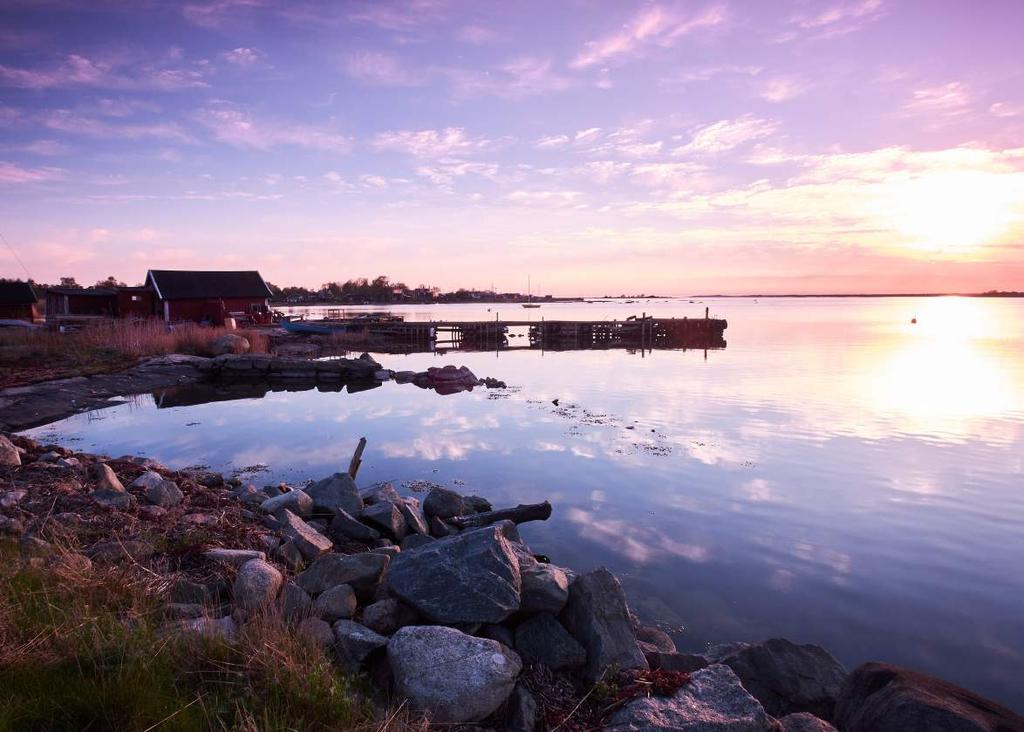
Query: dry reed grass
[[106, 346], [90, 650]]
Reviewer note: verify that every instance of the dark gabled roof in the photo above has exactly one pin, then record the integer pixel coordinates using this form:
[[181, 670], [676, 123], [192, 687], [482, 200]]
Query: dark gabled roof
[[17, 293], [82, 291], [185, 285]]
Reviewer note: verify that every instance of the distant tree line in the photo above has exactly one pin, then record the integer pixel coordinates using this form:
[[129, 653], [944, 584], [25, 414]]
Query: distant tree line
[[382, 291]]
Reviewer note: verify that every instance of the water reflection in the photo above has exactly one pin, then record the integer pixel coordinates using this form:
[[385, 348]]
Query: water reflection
[[837, 475]]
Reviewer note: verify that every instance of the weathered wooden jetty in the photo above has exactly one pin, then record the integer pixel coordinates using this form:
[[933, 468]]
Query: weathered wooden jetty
[[642, 331]]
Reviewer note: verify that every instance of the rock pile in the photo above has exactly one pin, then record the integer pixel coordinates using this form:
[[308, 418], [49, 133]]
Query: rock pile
[[441, 603]]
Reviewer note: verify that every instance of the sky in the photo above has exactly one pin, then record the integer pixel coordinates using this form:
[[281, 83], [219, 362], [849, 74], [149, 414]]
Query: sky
[[691, 147]]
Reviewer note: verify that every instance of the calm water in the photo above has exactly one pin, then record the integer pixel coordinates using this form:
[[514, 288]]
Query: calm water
[[836, 475]]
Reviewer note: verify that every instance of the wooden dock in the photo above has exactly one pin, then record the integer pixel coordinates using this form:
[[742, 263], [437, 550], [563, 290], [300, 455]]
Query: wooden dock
[[643, 332]]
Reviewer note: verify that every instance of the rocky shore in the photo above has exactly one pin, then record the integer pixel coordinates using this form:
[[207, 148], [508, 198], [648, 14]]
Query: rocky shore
[[438, 602], [24, 407]]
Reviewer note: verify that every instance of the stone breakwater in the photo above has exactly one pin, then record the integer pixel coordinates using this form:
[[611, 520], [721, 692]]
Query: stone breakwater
[[440, 602]]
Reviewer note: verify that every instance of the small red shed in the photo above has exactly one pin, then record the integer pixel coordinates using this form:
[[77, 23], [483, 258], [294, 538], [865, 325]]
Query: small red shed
[[18, 301], [208, 296], [81, 301]]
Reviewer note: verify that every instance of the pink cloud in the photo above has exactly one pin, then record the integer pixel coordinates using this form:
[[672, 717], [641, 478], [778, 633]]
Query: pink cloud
[[239, 128], [406, 15], [432, 143], [655, 25], [65, 120], [15, 174], [948, 100], [381, 69], [77, 70], [242, 56], [521, 77], [726, 134]]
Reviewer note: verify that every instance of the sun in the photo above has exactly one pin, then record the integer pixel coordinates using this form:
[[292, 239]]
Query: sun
[[954, 211]]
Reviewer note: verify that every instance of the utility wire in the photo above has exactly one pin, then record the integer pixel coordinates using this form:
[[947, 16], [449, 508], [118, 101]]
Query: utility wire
[[16, 257]]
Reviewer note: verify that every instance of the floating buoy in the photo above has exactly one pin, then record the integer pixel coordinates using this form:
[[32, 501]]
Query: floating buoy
[[913, 321]]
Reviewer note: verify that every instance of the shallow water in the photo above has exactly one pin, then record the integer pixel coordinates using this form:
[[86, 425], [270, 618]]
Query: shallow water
[[836, 475]]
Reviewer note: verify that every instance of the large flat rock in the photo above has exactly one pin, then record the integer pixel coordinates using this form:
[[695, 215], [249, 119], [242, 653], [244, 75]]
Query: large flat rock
[[361, 571], [472, 577]]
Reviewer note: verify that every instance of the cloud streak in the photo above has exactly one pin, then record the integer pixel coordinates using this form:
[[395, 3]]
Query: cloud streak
[[655, 25]]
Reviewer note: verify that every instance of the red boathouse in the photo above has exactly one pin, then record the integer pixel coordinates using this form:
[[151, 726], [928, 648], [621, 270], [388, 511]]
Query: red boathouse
[[208, 297], [18, 301]]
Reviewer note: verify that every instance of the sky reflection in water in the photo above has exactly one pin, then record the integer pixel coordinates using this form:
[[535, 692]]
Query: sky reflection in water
[[836, 475]]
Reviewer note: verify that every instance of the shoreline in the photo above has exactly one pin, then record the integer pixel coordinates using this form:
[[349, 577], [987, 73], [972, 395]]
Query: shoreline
[[34, 405], [386, 585]]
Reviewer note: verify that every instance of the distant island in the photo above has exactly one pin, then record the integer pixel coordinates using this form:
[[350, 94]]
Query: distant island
[[989, 293]]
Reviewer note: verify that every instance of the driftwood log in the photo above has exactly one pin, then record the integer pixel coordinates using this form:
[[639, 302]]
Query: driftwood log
[[357, 458], [518, 515]]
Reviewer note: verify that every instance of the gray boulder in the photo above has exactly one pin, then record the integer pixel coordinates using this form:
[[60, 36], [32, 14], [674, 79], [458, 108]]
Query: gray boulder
[[652, 639], [386, 518], [439, 529], [108, 498], [380, 492], [597, 616], [412, 512], [788, 678], [477, 504], [805, 722], [147, 480], [885, 698], [388, 615], [361, 571], [451, 676], [233, 557], [165, 494], [545, 587], [444, 504], [228, 343], [522, 711], [9, 454], [345, 528], [469, 578], [318, 632], [106, 479], [415, 541], [289, 555], [296, 604], [256, 585], [542, 639], [354, 643], [310, 542], [712, 701], [335, 493], [298, 502], [337, 603]]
